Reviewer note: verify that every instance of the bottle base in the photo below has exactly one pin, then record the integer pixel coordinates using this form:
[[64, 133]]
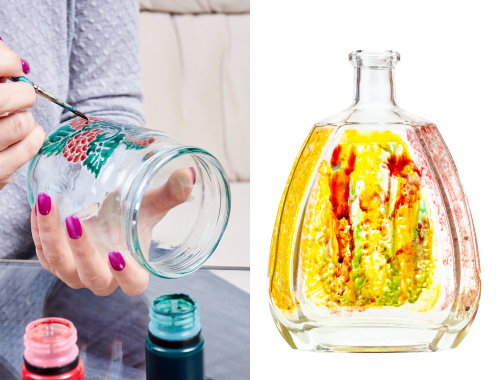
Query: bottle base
[[371, 338]]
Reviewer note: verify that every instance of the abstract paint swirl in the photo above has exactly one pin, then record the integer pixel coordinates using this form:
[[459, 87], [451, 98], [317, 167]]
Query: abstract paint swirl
[[368, 236]]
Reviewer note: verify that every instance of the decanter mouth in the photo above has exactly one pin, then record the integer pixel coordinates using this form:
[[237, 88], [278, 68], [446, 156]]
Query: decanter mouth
[[374, 58]]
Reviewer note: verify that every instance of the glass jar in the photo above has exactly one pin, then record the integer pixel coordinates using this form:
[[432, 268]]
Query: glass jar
[[101, 171], [374, 248]]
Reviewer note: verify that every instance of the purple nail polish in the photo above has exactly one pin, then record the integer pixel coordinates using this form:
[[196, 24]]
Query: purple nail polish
[[26, 66], [194, 174], [116, 260], [44, 203], [74, 227], [1, 39]]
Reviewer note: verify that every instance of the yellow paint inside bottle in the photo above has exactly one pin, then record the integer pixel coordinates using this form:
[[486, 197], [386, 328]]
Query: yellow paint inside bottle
[[367, 237]]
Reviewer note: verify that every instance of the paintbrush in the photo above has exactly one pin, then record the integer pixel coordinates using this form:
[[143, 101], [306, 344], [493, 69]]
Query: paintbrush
[[49, 96]]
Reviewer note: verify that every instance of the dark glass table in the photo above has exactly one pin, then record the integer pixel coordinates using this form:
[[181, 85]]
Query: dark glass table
[[112, 330]]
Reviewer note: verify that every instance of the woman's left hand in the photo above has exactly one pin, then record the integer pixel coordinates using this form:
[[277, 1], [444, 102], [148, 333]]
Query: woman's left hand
[[70, 254]]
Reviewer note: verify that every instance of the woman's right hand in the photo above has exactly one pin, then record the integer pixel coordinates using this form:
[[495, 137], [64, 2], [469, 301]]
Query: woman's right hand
[[20, 137]]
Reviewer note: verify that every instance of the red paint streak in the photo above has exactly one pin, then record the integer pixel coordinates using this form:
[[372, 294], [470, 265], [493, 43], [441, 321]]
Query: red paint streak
[[351, 162], [396, 164], [339, 185], [339, 199], [335, 156]]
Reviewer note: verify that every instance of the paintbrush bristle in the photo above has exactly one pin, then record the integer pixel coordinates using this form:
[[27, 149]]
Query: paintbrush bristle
[[80, 114]]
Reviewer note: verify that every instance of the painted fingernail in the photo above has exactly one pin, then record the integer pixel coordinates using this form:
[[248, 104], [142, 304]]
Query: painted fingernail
[[35, 210], [74, 227], [26, 66], [44, 203], [116, 260], [1, 39], [194, 175]]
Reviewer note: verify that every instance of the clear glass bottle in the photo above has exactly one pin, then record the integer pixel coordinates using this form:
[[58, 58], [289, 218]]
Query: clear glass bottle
[[374, 248], [104, 172]]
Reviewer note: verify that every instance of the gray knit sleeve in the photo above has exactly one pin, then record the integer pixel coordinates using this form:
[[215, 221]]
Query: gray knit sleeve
[[104, 65]]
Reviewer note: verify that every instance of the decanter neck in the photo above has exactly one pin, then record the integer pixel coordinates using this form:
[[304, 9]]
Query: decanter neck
[[374, 77], [374, 86]]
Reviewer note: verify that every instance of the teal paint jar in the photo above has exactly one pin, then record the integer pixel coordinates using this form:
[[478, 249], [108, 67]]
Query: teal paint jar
[[174, 347]]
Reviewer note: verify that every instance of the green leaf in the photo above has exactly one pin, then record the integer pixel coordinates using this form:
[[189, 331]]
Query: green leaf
[[99, 151], [56, 142]]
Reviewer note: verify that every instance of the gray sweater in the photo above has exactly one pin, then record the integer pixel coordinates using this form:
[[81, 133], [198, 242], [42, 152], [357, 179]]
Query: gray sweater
[[83, 51]]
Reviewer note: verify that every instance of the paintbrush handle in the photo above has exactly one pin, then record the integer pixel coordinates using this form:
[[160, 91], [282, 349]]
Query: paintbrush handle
[[47, 95]]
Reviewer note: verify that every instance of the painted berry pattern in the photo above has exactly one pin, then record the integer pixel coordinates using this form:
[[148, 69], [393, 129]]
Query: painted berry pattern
[[133, 143], [91, 143], [149, 155], [76, 149], [79, 122]]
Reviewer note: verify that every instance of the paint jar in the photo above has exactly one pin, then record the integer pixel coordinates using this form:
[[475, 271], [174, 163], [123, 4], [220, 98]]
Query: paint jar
[[374, 248], [50, 351], [119, 180], [174, 347]]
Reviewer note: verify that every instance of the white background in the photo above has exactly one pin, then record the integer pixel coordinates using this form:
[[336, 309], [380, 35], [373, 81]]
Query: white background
[[448, 74]]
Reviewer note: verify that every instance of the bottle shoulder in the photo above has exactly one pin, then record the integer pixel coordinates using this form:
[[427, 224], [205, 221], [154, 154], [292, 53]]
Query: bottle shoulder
[[374, 114]]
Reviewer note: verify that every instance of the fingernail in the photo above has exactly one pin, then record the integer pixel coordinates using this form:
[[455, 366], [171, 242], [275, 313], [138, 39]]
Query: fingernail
[[44, 203], [194, 175], [116, 260], [1, 39], [74, 227], [26, 66], [35, 210]]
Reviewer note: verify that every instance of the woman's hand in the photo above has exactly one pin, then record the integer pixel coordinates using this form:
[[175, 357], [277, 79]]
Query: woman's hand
[[20, 137], [70, 254]]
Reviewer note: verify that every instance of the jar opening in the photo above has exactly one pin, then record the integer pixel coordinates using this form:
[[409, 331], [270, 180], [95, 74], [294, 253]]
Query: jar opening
[[374, 58], [189, 218]]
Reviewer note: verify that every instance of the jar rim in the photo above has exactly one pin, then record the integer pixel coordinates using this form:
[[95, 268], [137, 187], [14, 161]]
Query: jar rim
[[134, 199]]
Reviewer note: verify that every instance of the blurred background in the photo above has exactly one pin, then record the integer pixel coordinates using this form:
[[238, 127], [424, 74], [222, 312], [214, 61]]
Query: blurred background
[[195, 57]]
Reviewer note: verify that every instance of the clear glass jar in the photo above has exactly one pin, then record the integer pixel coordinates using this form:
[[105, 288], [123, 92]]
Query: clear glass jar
[[374, 248], [100, 171]]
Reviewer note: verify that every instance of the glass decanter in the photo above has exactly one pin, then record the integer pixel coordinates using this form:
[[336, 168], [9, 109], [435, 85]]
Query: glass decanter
[[103, 172], [374, 248]]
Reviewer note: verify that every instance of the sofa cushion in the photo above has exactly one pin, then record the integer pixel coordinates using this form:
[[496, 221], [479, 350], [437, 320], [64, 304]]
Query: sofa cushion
[[196, 6], [197, 88]]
